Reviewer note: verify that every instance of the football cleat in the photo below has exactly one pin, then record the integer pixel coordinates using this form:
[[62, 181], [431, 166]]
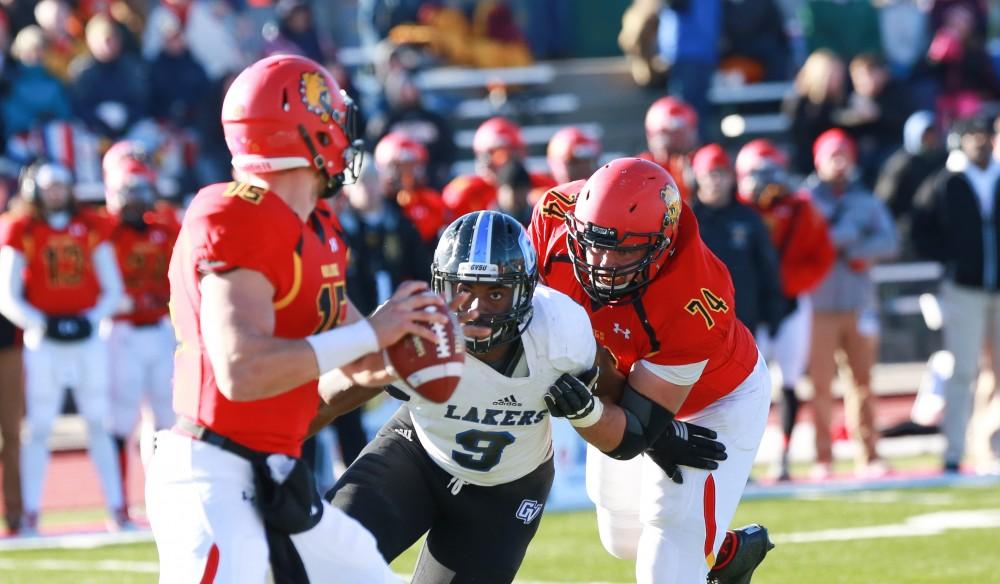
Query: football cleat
[[748, 548]]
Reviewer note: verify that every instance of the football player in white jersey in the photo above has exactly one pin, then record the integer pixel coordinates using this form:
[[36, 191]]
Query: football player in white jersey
[[474, 473]]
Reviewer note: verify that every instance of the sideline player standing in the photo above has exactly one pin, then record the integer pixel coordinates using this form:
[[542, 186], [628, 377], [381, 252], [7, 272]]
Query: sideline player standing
[[59, 281], [625, 247], [141, 341], [474, 473], [258, 303]]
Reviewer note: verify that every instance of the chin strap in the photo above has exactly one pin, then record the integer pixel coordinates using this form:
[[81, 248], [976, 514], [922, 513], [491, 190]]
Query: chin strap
[[333, 182]]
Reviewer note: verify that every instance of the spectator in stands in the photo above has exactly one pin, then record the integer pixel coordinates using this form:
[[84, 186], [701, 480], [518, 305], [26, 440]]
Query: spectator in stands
[[959, 61], [847, 28], [491, 38], [110, 88], [572, 154], [61, 47], [210, 30], [754, 40], [401, 163], [904, 26], [34, 95], [296, 33], [874, 113], [921, 156], [638, 41], [689, 34], [176, 81], [819, 91], [955, 221], [385, 250], [805, 253], [377, 17], [736, 234], [845, 305], [496, 142], [408, 114], [672, 137]]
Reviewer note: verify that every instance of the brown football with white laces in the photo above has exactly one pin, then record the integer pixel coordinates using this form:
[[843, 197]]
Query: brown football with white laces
[[431, 370]]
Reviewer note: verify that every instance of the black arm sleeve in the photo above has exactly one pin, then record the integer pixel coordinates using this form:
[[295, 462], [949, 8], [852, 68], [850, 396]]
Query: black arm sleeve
[[645, 421]]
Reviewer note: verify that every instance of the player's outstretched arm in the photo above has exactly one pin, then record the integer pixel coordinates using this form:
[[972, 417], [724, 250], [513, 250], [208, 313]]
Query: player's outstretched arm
[[12, 302], [250, 363]]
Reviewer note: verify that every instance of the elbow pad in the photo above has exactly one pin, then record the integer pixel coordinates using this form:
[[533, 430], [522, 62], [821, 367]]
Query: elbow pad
[[645, 421]]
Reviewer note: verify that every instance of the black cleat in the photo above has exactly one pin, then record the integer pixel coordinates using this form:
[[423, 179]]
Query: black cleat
[[750, 546]]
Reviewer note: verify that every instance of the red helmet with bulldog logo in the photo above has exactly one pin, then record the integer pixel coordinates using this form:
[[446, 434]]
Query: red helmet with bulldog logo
[[629, 205], [285, 112]]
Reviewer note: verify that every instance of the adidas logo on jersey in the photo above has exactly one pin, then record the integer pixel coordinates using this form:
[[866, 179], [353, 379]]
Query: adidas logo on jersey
[[405, 433], [510, 400]]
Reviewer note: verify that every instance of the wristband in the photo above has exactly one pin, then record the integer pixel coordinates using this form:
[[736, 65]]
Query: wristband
[[591, 418], [342, 345]]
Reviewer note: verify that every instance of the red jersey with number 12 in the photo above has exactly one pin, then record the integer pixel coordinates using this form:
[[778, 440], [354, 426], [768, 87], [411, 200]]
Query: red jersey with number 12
[[240, 226], [686, 315]]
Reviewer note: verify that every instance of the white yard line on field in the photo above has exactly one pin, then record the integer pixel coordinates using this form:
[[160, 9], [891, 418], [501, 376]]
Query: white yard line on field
[[915, 526], [79, 566]]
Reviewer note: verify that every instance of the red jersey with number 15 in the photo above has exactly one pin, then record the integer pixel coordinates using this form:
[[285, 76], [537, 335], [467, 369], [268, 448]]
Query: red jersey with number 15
[[240, 226], [686, 315], [59, 275]]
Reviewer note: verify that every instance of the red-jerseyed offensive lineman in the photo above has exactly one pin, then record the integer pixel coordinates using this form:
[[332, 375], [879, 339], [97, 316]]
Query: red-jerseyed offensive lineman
[[624, 246]]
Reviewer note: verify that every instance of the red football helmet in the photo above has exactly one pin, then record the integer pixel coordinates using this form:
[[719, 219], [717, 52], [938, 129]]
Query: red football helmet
[[287, 111], [124, 160], [628, 213], [401, 161], [572, 154], [669, 114], [497, 133], [760, 165]]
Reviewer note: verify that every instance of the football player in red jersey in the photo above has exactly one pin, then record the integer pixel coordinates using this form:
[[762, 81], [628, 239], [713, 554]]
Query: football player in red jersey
[[806, 252], [401, 163], [496, 143], [258, 303], [141, 340], [624, 246], [672, 137], [59, 281], [127, 159], [572, 154]]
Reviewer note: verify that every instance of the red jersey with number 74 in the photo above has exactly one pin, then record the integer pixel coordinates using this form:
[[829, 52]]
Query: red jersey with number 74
[[685, 316], [239, 226]]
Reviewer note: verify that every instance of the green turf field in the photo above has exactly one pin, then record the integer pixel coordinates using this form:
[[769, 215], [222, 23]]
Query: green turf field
[[905, 536]]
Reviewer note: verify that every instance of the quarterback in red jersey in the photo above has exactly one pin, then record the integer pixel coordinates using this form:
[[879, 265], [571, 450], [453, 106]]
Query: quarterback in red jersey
[[496, 143], [257, 296], [59, 281], [401, 163], [623, 245], [805, 250], [141, 340]]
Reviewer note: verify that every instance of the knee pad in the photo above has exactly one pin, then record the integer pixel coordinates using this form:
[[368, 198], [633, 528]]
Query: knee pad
[[619, 533]]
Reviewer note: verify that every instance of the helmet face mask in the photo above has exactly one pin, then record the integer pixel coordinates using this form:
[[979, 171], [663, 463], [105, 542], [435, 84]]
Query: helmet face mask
[[487, 247], [612, 284]]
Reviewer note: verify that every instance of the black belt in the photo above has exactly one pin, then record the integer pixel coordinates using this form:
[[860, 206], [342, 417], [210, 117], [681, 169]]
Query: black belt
[[204, 434]]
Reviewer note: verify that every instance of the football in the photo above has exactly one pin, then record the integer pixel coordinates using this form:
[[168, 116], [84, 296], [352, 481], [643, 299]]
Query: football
[[431, 370]]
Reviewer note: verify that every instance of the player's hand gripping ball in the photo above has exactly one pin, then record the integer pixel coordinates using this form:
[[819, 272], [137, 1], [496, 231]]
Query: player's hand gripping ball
[[430, 370]]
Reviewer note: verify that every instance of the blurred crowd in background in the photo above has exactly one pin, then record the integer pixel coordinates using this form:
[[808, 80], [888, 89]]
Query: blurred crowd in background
[[888, 154]]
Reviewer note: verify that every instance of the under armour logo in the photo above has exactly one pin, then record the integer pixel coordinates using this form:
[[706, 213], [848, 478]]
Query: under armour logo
[[405, 433], [624, 332], [529, 510]]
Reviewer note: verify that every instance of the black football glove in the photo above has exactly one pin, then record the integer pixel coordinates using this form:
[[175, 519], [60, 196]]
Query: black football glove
[[67, 328], [571, 397], [684, 444]]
